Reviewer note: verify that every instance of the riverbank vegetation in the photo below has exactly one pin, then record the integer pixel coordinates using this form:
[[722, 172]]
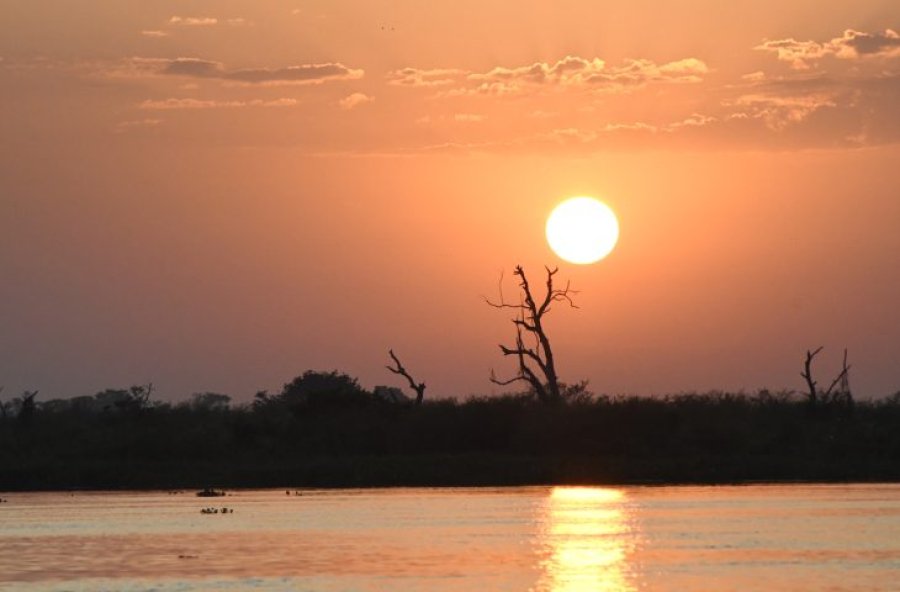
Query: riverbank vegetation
[[324, 430]]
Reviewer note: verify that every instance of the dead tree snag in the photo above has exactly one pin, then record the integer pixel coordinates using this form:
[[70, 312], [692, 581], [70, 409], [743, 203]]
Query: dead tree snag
[[817, 398], [419, 387], [532, 348]]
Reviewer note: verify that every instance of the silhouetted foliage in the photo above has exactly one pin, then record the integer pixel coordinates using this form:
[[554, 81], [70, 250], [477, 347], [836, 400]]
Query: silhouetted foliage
[[323, 429], [209, 402], [26, 406], [317, 391]]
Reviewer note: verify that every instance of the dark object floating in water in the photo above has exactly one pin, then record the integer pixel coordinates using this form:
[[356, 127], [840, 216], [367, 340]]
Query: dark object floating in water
[[188, 556], [217, 511], [210, 493]]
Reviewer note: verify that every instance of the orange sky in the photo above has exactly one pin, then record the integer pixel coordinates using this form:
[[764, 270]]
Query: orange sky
[[221, 195]]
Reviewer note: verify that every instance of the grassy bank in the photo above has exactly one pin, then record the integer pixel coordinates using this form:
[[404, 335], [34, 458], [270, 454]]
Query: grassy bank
[[362, 441]]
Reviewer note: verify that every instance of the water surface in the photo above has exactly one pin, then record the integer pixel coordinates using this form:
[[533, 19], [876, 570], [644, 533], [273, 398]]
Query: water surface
[[774, 538]]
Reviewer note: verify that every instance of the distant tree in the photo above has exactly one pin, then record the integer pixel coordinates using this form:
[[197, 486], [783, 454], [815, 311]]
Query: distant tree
[[55, 406], [577, 393], [82, 403], [110, 399], [322, 390], [135, 398], [842, 397], [532, 349], [262, 399], [209, 401], [26, 408], [418, 387]]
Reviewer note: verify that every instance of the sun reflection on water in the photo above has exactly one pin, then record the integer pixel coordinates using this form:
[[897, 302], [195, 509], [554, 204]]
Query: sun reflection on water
[[586, 539]]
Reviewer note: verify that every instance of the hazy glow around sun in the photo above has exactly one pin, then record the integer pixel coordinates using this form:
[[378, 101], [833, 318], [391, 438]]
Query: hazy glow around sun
[[582, 230]]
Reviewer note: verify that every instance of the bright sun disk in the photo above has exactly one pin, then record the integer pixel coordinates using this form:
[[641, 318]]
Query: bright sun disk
[[582, 230]]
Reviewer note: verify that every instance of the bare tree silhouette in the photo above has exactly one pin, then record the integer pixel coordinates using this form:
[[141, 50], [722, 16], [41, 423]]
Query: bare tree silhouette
[[537, 366], [26, 408], [816, 398], [418, 387]]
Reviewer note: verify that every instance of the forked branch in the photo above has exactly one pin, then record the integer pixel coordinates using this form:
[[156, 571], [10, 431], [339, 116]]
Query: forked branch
[[419, 387], [807, 375], [816, 397], [536, 363]]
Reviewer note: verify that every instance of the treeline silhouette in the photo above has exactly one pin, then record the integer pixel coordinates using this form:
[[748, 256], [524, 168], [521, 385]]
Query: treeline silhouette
[[324, 430]]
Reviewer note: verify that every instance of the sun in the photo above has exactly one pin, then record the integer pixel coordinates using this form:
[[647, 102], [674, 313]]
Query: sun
[[582, 230]]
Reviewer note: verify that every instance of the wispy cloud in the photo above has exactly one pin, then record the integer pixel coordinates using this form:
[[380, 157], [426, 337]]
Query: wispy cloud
[[172, 104], [138, 67], [193, 21], [571, 71], [355, 100], [303, 74], [851, 45], [414, 77], [780, 111], [154, 33], [125, 126]]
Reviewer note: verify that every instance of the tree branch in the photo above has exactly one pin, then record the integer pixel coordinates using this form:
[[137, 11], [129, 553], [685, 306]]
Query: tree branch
[[807, 374], [419, 388]]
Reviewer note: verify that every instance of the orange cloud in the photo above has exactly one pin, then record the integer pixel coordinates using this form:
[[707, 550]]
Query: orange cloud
[[168, 104], [125, 126], [594, 74], [851, 45], [198, 68], [424, 78], [193, 21], [355, 100], [778, 112]]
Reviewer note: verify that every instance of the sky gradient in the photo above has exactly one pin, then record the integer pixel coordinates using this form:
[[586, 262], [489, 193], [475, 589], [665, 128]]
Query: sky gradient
[[218, 196]]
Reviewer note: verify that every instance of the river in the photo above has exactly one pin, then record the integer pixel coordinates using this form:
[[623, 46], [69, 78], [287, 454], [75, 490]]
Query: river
[[686, 539]]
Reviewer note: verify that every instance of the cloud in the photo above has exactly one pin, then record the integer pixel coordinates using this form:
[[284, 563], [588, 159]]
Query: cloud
[[193, 67], [762, 114], [797, 53], [454, 118], [780, 111], [851, 45], [857, 44], [494, 89], [172, 104], [193, 21], [156, 34], [200, 68], [125, 126], [126, 68], [414, 77], [355, 100], [304, 74], [572, 71]]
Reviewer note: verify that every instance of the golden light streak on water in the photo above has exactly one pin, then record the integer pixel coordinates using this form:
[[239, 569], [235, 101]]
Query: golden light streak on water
[[587, 534]]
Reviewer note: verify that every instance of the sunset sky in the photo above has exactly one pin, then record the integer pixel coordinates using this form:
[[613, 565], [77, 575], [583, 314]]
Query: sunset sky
[[220, 195]]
